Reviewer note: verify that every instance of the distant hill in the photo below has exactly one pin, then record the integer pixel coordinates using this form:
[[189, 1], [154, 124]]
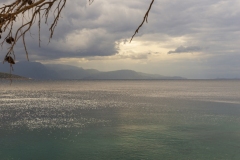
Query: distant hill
[[127, 74], [36, 70], [7, 75], [71, 72]]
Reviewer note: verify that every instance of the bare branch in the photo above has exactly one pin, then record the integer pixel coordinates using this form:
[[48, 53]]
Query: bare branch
[[36, 9], [90, 1], [144, 19]]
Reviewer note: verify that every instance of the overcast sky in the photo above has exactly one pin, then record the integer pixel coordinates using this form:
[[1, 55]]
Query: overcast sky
[[189, 38]]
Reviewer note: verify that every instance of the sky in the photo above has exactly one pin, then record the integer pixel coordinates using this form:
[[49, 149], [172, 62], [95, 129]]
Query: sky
[[188, 38]]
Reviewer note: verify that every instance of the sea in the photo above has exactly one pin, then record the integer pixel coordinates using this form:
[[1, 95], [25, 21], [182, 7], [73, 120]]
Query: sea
[[120, 119]]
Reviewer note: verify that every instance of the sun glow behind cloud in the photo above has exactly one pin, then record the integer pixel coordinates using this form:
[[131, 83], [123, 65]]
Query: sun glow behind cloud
[[195, 39]]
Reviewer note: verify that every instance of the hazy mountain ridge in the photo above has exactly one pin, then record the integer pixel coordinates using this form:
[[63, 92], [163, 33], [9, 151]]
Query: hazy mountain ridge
[[70, 72], [8, 75], [36, 70], [127, 74]]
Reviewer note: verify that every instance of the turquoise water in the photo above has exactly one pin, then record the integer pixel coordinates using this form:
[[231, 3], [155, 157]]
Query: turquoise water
[[72, 120]]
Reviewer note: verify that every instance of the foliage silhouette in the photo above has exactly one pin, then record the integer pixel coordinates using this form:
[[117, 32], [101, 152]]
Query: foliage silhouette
[[36, 10]]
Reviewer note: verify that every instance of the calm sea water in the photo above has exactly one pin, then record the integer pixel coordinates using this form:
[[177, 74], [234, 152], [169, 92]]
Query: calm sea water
[[73, 120]]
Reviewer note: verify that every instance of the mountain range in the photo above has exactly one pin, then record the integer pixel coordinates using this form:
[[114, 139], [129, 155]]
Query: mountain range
[[10, 76], [36, 70]]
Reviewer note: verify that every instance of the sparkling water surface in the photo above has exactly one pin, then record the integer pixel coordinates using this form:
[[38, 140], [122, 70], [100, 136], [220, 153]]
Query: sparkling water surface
[[165, 119]]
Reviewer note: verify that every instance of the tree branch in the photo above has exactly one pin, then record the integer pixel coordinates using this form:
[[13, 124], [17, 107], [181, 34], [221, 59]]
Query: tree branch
[[37, 10], [144, 19]]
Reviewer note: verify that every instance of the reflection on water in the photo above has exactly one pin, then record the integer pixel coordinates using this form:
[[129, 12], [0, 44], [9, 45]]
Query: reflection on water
[[120, 120]]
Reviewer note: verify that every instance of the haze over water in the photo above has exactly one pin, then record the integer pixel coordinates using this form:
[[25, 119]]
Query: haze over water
[[165, 119]]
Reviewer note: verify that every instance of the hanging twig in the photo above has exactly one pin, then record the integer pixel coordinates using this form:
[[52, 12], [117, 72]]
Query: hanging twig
[[144, 19], [36, 9]]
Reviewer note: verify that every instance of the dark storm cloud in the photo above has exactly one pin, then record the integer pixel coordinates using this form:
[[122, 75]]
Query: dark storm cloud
[[94, 30], [84, 31], [183, 49]]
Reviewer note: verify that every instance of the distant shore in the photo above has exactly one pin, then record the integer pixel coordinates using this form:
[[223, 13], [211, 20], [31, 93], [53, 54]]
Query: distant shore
[[11, 76]]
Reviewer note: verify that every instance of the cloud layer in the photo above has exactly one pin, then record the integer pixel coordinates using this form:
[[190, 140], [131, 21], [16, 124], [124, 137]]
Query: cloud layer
[[99, 33]]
